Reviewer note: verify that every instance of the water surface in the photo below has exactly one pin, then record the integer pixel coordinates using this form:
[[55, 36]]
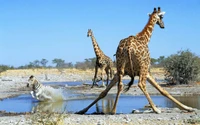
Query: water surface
[[76, 102], [25, 103]]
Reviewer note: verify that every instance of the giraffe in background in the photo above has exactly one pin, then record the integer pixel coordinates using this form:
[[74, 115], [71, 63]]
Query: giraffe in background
[[133, 59], [102, 61]]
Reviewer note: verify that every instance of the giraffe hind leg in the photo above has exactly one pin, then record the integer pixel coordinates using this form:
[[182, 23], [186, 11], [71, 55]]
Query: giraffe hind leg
[[142, 86], [102, 75], [95, 76], [119, 89], [166, 94]]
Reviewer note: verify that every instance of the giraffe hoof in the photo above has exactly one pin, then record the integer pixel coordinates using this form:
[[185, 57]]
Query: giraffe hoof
[[158, 111], [80, 112], [113, 112], [190, 109], [94, 85]]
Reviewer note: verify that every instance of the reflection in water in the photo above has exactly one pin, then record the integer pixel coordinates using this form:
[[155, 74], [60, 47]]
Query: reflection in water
[[70, 106], [125, 105], [192, 101], [49, 107], [105, 105]]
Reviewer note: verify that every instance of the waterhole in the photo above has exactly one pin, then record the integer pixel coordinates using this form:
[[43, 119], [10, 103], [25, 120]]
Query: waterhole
[[76, 102]]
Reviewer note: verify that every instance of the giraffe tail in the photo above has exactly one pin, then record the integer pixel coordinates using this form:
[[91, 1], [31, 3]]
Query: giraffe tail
[[130, 60]]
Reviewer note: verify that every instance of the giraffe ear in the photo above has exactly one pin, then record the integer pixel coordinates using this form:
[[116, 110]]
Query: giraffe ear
[[149, 14], [161, 14]]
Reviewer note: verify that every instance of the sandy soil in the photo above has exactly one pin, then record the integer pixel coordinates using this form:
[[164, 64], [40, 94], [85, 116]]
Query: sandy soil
[[15, 84], [166, 118]]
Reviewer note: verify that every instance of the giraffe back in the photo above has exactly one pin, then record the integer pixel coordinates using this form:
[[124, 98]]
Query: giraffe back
[[133, 51]]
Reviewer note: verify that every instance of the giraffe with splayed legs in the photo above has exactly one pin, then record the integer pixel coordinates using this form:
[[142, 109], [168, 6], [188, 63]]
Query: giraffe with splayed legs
[[102, 61], [133, 59]]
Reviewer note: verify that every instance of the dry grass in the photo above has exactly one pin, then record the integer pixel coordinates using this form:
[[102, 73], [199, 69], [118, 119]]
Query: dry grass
[[41, 118], [157, 70], [28, 72]]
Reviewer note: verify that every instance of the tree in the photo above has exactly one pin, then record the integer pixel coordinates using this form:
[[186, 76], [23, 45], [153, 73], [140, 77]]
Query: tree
[[5, 67], [30, 65], [59, 62], [36, 63], [67, 65], [44, 62], [160, 60], [153, 61], [70, 65], [181, 68], [93, 62], [81, 65]]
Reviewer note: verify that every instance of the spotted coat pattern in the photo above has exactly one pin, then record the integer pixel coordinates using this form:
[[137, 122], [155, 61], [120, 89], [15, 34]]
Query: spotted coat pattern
[[102, 61]]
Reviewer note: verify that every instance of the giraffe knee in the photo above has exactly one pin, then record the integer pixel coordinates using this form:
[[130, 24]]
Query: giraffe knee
[[140, 86]]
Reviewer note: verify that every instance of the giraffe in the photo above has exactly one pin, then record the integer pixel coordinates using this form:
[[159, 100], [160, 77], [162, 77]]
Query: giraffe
[[133, 59], [102, 61]]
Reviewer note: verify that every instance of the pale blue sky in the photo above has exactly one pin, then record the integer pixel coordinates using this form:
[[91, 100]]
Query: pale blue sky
[[36, 29]]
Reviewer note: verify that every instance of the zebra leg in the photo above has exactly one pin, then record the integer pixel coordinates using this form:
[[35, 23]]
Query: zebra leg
[[32, 94]]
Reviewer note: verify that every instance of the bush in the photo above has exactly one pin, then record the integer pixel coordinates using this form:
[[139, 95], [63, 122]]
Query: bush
[[181, 68], [4, 68]]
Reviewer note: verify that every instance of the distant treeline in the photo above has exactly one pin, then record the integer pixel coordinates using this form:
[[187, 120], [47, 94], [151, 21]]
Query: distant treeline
[[60, 63]]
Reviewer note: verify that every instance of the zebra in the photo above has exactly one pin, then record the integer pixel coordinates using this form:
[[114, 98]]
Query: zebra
[[39, 91]]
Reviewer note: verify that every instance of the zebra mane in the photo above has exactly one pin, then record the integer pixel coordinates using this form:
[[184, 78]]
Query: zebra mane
[[36, 84]]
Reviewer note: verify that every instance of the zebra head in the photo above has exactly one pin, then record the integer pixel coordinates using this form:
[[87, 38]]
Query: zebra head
[[33, 82]]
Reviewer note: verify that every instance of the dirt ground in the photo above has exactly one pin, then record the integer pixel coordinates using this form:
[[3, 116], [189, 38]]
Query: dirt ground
[[14, 83]]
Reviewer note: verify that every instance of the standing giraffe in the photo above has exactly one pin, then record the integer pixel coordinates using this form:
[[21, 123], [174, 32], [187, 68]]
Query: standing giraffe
[[133, 59], [102, 61]]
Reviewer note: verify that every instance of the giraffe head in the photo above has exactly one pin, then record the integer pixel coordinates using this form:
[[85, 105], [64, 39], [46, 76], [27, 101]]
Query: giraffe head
[[89, 33], [157, 16]]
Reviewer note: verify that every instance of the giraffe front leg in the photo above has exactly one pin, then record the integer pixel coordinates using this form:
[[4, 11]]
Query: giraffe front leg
[[142, 86], [166, 94], [95, 76], [102, 75]]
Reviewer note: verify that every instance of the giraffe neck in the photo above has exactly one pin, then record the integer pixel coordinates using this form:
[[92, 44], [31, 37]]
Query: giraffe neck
[[147, 31], [97, 49]]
